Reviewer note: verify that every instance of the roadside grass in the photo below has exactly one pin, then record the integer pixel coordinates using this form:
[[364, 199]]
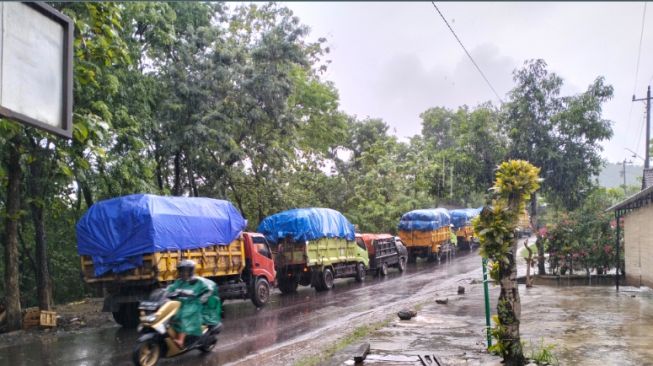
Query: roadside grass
[[543, 354], [356, 335]]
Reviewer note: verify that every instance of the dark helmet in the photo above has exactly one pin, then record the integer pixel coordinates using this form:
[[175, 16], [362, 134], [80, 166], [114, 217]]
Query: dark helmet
[[186, 266]]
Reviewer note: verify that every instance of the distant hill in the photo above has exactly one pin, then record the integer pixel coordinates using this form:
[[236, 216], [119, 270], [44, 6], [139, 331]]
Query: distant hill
[[610, 176]]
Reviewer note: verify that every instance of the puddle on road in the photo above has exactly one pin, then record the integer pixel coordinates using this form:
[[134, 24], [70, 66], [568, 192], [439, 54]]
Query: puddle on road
[[590, 324], [587, 325]]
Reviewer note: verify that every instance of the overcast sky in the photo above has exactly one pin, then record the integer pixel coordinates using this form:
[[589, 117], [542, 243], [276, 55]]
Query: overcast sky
[[395, 60]]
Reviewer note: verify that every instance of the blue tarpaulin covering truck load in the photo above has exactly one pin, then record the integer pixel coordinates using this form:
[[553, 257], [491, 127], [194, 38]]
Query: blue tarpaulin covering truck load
[[306, 224], [425, 220], [313, 247], [426, 233], [461, 219], [130, 246], [117, 232]]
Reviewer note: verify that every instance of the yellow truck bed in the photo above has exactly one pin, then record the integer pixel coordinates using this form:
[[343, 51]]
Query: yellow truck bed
[[465, 232], [212, 261], [433, 238]]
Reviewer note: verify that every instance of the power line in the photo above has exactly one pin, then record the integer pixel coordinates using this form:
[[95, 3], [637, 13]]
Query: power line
[[467, 52], [639, 54], [639, 50]]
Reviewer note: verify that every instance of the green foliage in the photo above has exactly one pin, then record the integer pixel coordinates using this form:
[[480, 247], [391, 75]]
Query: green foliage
[[543, 354], [460, 150], [561, 135], [583, 238], [516, 181], [228, 101]]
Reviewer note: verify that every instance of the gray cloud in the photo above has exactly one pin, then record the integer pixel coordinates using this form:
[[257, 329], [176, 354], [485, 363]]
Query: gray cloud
[[394, 60]]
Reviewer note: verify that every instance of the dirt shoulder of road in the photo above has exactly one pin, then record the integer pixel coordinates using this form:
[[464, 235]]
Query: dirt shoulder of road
[[72, 317]]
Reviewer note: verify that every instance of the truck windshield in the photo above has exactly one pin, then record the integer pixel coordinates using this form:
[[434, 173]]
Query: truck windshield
[[361, 243], [262, 246]]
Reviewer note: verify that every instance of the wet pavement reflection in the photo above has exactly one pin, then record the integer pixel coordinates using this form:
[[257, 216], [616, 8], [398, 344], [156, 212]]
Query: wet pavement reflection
[[246, 328]]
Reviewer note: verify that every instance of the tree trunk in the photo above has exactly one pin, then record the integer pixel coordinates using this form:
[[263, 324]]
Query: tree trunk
[[176, 188], [86, 191], [509, 310], [529, 262], [12, 287], [541, 269], [37, 193]]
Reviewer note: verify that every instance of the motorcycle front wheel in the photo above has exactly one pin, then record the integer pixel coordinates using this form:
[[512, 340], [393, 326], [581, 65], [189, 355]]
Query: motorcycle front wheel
[[209, 344], [146, 353]]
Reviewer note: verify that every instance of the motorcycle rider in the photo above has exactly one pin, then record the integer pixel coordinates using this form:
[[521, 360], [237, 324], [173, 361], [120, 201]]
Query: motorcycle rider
[[212, 306], [454, 238], [188, 320]]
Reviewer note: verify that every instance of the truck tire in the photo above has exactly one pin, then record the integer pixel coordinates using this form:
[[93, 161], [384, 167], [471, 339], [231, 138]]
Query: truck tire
[[260, 292], [127, 315], [360, 272], [411, 258], [288, 285], [402, 264], [383, 270], [325, 281]]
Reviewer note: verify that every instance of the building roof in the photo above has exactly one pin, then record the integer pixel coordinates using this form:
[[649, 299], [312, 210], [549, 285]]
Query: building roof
[[640, 199]]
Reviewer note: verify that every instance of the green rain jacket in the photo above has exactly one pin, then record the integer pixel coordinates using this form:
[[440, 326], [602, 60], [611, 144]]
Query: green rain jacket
[[454, 238], [189, 318], [212, 306]]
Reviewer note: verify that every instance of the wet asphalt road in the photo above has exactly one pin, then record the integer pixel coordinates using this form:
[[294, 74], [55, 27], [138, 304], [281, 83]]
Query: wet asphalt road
[[247, 329]]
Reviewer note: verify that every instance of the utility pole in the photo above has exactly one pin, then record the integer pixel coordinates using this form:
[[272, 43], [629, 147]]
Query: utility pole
[[648, 124], [623, 171]]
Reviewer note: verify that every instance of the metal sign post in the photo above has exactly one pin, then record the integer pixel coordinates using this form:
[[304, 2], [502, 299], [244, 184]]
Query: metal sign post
[[487, 304]]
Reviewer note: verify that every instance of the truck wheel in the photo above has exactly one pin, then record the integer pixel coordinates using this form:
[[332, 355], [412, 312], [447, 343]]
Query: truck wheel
[[127, 315], [326, 280], [402, 264], [260, 292], [288, 285], [360, 272], [383, 271], [412, 259]]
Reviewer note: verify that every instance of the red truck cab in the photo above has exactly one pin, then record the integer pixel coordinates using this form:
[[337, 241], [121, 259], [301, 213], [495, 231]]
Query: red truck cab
[[259, 267], [257, 250]]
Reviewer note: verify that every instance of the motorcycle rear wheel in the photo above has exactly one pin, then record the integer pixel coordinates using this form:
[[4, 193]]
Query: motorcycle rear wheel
[[146, 353]]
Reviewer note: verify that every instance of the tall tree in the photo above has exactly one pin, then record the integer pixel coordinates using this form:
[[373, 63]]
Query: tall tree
[[14, 177], [561, 135]]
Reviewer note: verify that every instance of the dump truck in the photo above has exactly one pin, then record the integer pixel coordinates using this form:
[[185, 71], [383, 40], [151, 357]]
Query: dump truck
[[384, 251], [130, 246], [426, 233], [461, 219], [313, 247]]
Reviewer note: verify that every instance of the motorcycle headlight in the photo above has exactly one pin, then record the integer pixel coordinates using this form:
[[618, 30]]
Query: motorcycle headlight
[[150, 318]]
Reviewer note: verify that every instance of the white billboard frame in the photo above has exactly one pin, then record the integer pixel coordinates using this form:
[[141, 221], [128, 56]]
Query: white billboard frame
[[65, 123]]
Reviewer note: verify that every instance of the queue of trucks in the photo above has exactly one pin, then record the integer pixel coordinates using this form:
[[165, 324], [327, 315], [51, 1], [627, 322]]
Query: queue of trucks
[[131, 245]]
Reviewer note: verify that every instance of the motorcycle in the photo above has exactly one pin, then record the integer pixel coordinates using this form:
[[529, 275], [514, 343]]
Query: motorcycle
[[157, 335]]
